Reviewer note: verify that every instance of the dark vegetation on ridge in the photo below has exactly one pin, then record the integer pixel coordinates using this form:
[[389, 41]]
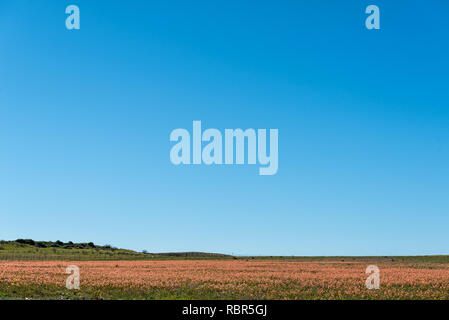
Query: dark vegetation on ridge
[[28, 249]]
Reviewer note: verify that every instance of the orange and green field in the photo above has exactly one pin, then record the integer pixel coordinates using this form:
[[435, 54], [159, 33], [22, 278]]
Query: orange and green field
[[37, 270], [224, 279]]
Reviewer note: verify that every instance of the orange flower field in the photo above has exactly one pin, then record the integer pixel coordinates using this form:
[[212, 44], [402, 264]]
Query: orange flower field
[[222, 279]]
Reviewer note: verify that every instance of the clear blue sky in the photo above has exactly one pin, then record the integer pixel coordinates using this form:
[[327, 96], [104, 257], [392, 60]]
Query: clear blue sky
[[363, 119]]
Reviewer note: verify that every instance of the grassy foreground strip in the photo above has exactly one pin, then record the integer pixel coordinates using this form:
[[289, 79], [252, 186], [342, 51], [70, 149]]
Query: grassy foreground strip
[[187, 292]]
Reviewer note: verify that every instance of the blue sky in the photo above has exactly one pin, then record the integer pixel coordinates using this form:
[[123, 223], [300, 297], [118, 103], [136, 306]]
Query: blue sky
[[363, 119]]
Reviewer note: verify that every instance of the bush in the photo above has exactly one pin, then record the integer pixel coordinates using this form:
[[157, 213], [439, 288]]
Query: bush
[[41, 244], [26, 241]]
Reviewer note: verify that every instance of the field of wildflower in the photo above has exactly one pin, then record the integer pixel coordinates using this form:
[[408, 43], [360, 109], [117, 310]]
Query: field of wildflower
[[222, 279]]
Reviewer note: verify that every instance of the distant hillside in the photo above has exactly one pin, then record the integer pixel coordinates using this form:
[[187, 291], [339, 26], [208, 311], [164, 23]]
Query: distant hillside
[[28, 249], [194, 254]]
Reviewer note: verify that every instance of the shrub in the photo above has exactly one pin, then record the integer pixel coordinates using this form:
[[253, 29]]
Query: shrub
[[41, 244], [26, 241]]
